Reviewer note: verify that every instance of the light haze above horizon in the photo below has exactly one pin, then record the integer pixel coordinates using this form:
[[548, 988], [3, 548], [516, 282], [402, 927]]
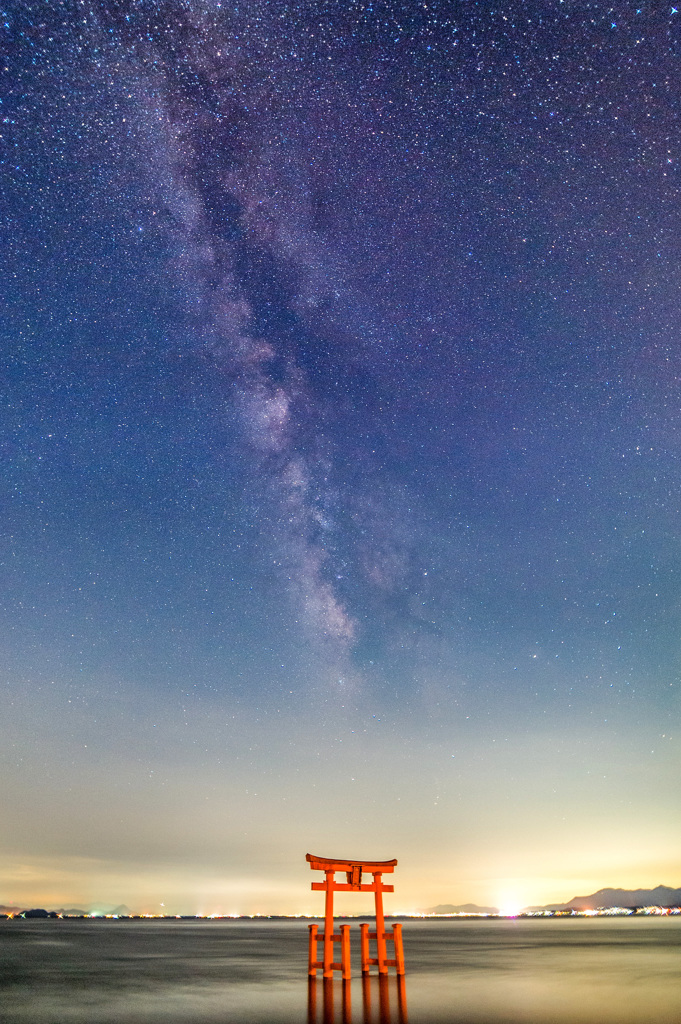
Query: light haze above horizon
[[341, 429]]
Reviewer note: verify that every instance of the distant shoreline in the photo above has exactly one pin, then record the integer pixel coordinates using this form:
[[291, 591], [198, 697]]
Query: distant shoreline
[[610, 912]]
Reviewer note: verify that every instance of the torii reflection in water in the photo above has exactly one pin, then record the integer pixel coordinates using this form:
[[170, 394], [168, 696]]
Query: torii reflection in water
[[384, 1000]]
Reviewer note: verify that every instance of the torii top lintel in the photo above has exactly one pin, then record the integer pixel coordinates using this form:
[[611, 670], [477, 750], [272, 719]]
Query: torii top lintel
[[334, 864]]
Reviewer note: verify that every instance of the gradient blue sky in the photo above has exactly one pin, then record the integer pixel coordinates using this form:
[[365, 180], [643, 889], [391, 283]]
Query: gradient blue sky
[[340, 450]]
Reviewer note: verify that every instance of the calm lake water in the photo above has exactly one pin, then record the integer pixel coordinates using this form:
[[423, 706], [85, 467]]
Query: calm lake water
[[597, 971]]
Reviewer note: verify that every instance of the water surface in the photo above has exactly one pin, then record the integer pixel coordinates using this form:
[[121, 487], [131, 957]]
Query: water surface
[[561, 971]]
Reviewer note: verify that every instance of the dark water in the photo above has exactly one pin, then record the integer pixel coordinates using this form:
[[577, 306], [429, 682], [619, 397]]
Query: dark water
[[599, 971]]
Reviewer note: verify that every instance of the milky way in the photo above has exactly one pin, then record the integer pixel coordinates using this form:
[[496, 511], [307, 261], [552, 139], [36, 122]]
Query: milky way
[[341, 430]]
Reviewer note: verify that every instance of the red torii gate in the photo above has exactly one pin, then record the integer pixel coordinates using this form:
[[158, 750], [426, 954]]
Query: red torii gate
[[353, 872]]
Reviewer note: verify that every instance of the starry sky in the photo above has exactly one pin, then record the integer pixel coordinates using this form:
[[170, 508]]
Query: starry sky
[[340, 449]]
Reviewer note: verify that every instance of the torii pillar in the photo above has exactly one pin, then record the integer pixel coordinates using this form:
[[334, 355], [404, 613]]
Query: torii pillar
[[353, 872]]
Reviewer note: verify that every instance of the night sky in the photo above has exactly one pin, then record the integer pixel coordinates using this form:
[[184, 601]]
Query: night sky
[[340, 440]]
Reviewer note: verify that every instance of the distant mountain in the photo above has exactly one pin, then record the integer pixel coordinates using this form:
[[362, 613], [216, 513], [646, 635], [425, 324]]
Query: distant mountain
[[463, 908], [546, 906], [660, 896]]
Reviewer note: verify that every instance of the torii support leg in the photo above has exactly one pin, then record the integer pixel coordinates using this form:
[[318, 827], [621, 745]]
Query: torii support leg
[[364, 946], [343, 965], [399, 949], [381, 955], [328, 925], [312, 951], [345, 951], [396, 938]]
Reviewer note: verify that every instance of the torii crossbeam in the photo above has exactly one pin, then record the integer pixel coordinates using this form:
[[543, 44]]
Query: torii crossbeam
[[353, 870]]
